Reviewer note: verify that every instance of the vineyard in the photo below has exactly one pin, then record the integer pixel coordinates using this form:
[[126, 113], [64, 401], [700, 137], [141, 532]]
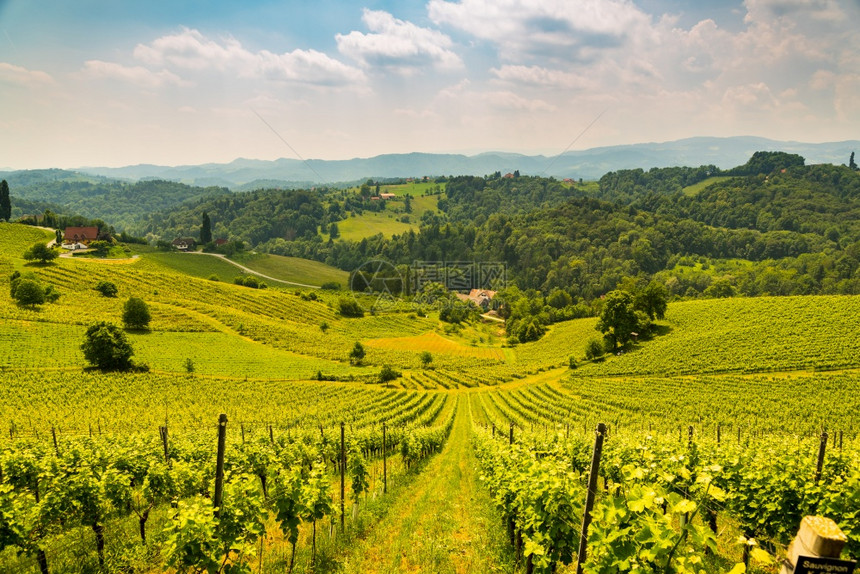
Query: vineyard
[[737, 418]]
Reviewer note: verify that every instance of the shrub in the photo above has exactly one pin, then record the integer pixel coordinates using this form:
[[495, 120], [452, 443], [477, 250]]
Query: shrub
[[330, 286], [357, 354], [349, 308], [106, 288], [387, 374], [594, 349], [249, 281], [28, 292], [426, 359], [106, 347], [135, 314], [41, 252]]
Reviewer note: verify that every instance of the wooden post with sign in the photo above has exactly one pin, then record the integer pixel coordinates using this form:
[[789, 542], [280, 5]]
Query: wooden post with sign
[[816, 549]]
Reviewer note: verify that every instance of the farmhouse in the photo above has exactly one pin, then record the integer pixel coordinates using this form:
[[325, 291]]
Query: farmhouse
[[479, 297], [387, 195], [184, 243], [82, 235]]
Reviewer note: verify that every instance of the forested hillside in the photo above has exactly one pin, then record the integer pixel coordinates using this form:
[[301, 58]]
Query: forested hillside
[[771, 226], [120, 204]]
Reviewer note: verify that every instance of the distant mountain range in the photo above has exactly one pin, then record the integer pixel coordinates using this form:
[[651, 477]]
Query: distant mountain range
[[243, 174]]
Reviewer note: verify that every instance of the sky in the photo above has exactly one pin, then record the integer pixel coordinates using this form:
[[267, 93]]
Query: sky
[[176, 82]]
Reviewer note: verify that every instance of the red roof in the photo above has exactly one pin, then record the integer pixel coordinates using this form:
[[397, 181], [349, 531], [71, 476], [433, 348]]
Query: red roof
[[81, 233]]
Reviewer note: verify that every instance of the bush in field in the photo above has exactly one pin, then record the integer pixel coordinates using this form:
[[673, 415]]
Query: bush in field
[[106, 288], [135, 314], [105, 346], [357, 354], [387, 374], [594, 349], [249, 281], [349, 308], [27, 290], [41, 253], [426, 359]]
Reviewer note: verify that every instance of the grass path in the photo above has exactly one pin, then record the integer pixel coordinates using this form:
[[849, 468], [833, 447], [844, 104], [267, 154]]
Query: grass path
[[445, 524]]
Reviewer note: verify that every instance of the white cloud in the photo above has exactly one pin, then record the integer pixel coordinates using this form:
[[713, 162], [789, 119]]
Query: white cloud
[[398, 45], [555, 29], [794, 10], [191, 50], [543, 77], [137, 75], [19, 76]]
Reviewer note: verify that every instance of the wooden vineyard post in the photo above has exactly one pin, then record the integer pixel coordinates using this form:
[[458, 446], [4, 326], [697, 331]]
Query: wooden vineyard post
[[271, 435], [718, 433], [242, 429], [820, 464], [384, 462], [840, 440], [511, 436], [590, 496], [56, 446], [494, 430], [690, 436], [162, 431], [219, 464], [342, 476], [816, 548]]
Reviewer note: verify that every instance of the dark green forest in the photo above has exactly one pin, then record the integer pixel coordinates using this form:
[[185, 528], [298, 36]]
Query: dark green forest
[[772, 226]]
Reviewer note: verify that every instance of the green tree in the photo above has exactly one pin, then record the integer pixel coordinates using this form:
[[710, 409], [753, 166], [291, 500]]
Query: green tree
[[105, 346], [851, 163], [333, 231], [41, 252], [594, 349], [100, 247], [6, 201], [206, 229], [618, 317], [426, 359], [106, 288], [721, 288], [28, 292], [357, 354], [349, 308], [652, 300], [135, 314], [558, 298], [387, 374]]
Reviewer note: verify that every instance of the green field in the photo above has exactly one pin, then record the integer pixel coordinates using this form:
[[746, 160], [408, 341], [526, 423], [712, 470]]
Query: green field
[[415, 188], [202, 266], [369, 224], [697, 187], [768, 373], [294, 269]]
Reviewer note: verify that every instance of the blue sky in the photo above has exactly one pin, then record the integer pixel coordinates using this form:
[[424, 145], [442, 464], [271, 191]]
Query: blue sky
[[111, 83]]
